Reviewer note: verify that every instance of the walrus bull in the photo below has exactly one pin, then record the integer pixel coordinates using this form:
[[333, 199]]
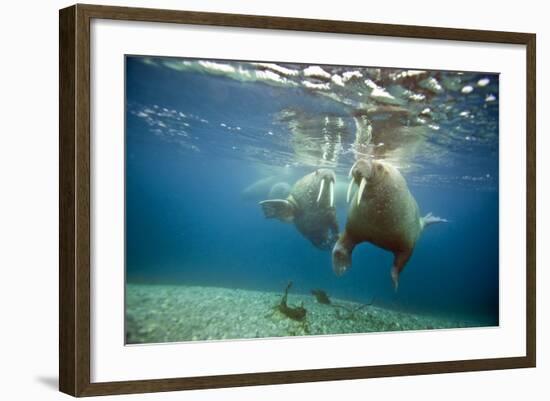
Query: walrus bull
[[382, 212], [310, 207]]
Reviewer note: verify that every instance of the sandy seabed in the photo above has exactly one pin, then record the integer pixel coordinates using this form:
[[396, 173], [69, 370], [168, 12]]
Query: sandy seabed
[[173, 313]]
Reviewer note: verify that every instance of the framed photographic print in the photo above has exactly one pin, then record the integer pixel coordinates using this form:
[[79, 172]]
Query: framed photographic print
[[252, 200]]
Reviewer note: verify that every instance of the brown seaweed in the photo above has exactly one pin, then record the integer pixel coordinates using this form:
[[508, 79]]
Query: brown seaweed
[[295, 313]]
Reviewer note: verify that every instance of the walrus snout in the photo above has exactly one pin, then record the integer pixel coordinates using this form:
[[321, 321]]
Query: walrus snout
[[362, 168], [360, 173], [327, 180]]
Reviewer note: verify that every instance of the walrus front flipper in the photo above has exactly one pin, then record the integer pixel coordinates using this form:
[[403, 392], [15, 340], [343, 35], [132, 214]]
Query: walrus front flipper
[[341, 255], [280, 209], [430, 219]]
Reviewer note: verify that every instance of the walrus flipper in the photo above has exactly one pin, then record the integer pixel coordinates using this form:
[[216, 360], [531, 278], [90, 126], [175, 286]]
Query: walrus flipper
[[400, 259], [280, 209], [341, 254], [430, 219]]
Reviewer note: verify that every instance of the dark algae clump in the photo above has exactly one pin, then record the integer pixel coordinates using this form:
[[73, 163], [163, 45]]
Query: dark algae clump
[[294, 313], [321, 296]]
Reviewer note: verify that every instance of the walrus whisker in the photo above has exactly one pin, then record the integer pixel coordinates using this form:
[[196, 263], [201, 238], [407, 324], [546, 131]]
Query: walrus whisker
[[348, 194], [331, 188], [321, 190], [362, 186]]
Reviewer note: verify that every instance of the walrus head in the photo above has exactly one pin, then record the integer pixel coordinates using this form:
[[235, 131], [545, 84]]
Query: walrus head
[[326, 179], [363, 172]]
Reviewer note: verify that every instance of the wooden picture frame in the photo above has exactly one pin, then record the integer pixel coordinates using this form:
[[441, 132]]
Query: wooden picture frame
[[74, 203]]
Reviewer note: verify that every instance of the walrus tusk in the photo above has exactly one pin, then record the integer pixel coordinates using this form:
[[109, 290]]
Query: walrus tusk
[[352, 166], [362, 186], [331, 190], [350, 186], [321, 190]]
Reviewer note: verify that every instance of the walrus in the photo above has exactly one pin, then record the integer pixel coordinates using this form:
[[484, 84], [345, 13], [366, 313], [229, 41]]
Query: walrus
[[310, 207], [382, 212], [259, 189], [279, 190]]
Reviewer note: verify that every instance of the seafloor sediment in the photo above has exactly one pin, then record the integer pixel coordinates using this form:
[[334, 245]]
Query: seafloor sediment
[[170, 313]]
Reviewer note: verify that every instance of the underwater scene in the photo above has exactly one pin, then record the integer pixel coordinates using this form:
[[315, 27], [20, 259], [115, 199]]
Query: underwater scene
[[270, 199]]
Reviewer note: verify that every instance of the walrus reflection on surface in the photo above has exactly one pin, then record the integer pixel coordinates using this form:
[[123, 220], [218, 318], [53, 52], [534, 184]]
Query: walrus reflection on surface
[[310, 207], [382, 212]]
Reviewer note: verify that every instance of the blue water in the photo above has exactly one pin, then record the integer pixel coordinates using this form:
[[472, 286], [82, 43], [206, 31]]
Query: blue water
[[197, 136]]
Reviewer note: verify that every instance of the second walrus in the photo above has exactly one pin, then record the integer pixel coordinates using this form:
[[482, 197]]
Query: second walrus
[[310, 207]]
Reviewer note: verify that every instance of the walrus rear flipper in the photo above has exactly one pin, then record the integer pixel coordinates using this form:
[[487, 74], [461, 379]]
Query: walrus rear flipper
[[280, 209], [430, 219], [400, 259]]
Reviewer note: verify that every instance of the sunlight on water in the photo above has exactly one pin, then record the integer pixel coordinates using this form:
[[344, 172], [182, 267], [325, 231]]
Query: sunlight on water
[[424, 122]]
